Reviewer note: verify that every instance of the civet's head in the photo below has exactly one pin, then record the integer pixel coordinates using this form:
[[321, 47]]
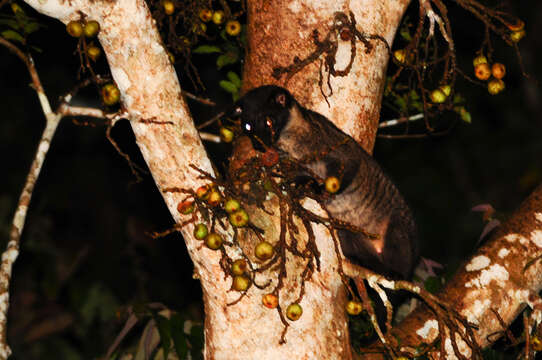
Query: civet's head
[[263, 111]]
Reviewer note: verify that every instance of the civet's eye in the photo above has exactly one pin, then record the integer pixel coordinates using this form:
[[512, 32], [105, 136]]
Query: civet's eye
[[238, 110], [248, 127], [269, 122]]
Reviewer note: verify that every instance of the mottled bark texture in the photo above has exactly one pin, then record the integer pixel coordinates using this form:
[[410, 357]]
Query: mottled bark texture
[[279, 31], [150, 91], [501, 277]]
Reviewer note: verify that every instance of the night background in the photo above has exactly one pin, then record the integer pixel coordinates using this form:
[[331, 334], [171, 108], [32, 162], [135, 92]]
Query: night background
[[85, 253]]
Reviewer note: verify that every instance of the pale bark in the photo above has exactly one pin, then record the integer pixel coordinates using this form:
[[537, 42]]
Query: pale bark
[[278, 31], [503, 277], [150, 91]]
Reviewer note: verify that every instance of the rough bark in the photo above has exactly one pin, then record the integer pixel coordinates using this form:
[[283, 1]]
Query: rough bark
[[500, 278], [150, 92], [278, 31]]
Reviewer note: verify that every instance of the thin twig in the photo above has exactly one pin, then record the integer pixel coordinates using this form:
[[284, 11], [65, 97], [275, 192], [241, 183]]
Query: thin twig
[[400, 120], [12, 251], [210, 137], [198, 99]]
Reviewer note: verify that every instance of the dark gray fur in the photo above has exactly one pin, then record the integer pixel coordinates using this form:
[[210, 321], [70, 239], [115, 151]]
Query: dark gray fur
[[368, 198]]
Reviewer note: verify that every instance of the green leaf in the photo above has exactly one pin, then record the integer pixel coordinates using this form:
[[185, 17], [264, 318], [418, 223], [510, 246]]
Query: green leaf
[[465, 116], [164, 330], [178, 336], [207, 49], [10, 22], [223, 34], [196, 340], [12, 35], [228, 86], [432, 284], [99, 302], [226, 59], [401, 104], [31, 27], [234, 78], [405, 34]]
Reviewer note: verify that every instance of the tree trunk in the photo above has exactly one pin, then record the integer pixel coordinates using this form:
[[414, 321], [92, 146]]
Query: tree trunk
[[278, 31]]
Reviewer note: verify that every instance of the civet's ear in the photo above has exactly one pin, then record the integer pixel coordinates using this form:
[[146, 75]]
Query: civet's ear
[[236, 111], [280, 99]]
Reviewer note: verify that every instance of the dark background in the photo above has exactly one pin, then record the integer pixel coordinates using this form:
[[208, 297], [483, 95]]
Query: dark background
[[85, 253]]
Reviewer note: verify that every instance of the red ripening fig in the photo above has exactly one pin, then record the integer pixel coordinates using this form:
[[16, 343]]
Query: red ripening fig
[[354, 307], [270, 157], [482, 71], [213, 241], [239, 218], [264, 250], [294, 312], [333, 184], [270, 301], [169, 7], [233, 27], [240, 283], [205, 15], [74, 28], [232, 206], [498, 70], [495, 86], [185, 207], [239, 267], [200, 231], [518, 25], [214, 198], [203, 192]]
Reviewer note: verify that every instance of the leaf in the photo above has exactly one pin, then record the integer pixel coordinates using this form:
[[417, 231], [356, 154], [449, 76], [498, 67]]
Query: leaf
[[178, 336], [405, 34], [31, 27], [432, 284], [463, 113], [10, 22], [12, 35], [207, 49], [196, 340], [228, 86], [223, 34], [401, 104], [234, 78], [164, 330], [226, 59], [99, 303]]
